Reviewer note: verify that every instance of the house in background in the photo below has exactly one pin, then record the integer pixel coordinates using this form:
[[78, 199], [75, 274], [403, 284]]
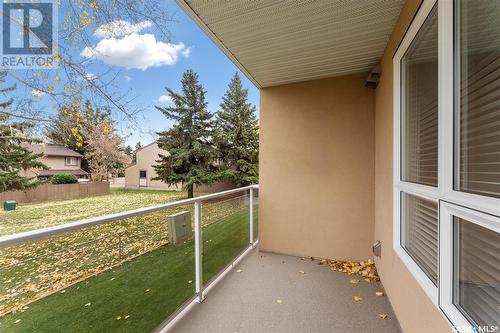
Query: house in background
[[59, 160], [140, 173]]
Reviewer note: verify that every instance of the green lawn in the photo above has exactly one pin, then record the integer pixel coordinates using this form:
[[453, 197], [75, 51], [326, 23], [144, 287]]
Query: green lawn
[[147, 288], [36, 215]]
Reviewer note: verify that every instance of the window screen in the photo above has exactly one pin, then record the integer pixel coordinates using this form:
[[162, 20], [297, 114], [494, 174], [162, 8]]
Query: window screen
[[477, 272], [419, 233], [419, 105], [477, 97]]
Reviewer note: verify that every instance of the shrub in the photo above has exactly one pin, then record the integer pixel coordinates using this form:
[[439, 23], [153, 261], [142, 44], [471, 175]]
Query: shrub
[[64, 178]]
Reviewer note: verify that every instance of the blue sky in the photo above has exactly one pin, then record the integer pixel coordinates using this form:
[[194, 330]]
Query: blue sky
[[189, 48], [213, 67]]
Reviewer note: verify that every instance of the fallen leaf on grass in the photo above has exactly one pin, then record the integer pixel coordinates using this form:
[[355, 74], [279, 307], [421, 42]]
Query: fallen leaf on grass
[[190, 281], [17, 321], [382, 315], [63, 291], [238, 271], [147, 290], [279, 301], [357, 298], [127, 316], [379, 293], [119, 318], [302, 272], [111, 279], [354, 281], [87, 305]]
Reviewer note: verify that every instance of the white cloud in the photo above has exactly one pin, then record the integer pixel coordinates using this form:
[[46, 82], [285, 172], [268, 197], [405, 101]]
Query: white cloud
[[90, 76], [121, 28], [37, 93], [136, 51], [165, 99], [187, 51], [127, 78]]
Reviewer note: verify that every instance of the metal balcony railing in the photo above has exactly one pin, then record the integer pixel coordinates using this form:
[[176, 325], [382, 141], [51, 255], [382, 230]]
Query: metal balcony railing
[[53, 264]]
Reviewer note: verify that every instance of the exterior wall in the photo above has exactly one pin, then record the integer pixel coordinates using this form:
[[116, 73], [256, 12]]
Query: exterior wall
[[316, 195], [46, 192], [415, 311], [58, 162], [145, 159]]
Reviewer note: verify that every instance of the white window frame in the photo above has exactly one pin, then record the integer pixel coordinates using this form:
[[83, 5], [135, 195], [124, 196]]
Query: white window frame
[[70, 159], [475, 208], [423, 191], [446, 247]]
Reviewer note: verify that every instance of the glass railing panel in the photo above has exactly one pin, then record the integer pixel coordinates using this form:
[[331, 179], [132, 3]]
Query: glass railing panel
[[225, 232], [124, 276], [255, 214]]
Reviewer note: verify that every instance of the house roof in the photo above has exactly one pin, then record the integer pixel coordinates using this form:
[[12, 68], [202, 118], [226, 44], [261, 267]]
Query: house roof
[[52, 172], [279, 42], [54, 150]]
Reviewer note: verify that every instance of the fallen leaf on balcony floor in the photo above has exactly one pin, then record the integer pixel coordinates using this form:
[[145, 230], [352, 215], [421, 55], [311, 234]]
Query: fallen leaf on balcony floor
[[88, 304], [379, 293], [382, 315], [302, 271], [238, 271], [368, 280], [357, 298], [279, 301], [366, 268], [354, 281]]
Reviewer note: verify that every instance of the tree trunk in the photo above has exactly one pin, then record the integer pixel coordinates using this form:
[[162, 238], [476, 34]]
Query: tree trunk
[[190, 191]]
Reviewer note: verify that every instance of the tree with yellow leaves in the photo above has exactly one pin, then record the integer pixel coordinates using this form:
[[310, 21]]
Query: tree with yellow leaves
[[72, 124]]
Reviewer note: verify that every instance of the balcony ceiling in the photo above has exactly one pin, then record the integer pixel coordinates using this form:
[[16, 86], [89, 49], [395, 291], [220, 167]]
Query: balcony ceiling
[[278, 42]]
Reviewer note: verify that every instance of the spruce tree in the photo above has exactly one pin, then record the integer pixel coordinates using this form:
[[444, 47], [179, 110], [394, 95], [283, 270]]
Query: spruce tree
[[15, 155], [237, 136], [191, 159]]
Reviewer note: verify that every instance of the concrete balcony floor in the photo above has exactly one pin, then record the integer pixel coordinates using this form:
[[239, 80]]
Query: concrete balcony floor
[[320, 300]]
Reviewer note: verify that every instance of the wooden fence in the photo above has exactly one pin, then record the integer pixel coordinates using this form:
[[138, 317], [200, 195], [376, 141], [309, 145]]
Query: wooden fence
[[46, 192]]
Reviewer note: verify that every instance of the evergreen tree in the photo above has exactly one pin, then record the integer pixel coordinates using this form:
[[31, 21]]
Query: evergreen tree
[[237, 136], [15, 155], [191, 159]]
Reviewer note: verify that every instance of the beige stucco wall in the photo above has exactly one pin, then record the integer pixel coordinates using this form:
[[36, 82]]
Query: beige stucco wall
[[415, 311], [316, 194], [59, 163], [145, 160]]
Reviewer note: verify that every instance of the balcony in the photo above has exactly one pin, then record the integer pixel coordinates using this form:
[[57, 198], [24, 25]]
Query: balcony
[[120, 273]]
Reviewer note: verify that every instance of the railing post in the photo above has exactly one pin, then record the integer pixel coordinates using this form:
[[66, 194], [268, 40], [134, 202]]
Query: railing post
[[198, 243], [251, 216]]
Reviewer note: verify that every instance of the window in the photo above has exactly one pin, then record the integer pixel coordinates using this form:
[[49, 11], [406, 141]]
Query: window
[[447, 157], [420, 232], [70, 160], [416, 145], [476, 276], [477, 97], [419, 106], [142, 174]]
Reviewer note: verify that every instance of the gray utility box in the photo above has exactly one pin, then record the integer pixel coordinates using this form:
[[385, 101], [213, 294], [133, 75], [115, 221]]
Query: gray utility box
[[179, 227]]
